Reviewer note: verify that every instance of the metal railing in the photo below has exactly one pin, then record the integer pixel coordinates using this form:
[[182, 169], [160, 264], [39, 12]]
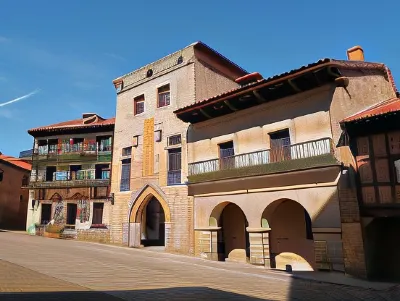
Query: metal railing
[[79, 178], [67, 149], [285, 153]]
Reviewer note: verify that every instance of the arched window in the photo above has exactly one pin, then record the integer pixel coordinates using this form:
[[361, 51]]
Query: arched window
[[1, 175]]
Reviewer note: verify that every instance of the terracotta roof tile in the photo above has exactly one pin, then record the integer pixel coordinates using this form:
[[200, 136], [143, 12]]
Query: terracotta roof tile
[[333, 62], [382, 108], [75, 124], [16, 162]]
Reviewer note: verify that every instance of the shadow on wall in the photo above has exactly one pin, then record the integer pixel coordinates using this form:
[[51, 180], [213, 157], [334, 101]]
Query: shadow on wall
[[177, 293]]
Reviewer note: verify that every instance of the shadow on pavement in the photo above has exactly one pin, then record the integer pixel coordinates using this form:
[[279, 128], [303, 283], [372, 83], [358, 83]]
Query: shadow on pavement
[[177, 293]]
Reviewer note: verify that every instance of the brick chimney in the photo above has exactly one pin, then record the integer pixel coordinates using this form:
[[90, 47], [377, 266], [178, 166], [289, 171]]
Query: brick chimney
[[355, 53]]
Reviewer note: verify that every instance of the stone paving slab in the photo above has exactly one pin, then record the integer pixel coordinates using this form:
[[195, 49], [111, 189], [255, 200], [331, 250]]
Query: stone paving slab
[[132, 274]]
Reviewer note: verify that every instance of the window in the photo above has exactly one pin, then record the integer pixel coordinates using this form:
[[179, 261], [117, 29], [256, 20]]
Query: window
[[125, 175], [1, 175], [138, 105], [174, 140], [102, 171], [396, 166], [97, 213], [174, 166], [226, 155], [104, 143], [280, 145], [163, 96], [50, 170], [127, 151], [25, 180]]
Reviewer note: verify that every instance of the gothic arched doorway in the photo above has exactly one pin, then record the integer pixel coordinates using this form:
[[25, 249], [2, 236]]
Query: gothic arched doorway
[[153, 224]]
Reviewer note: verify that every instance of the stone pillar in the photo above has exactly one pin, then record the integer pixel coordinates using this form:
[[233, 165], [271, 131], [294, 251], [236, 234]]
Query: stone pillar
[[207, 242], [352, 232], [259, 246], [167, 235], [134, 235]]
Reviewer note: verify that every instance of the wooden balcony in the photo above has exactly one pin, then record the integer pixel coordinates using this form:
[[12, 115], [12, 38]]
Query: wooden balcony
[[311, 154], [81, 178]]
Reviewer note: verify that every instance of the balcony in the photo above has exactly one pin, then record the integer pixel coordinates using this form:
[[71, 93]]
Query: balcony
[[311, 154], [70, 179], [89, 152]]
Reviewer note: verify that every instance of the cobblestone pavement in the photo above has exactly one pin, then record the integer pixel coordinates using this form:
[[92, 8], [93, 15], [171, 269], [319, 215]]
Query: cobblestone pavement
[[37, 268]]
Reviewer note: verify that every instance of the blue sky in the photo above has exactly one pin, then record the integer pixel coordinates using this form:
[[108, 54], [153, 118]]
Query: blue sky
[[68, 52]]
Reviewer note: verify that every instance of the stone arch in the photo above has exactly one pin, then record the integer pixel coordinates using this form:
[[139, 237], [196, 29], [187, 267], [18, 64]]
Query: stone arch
[[291, 238], [233, 237], [78, 196], [214, 219], [56, 197], [140, 199]]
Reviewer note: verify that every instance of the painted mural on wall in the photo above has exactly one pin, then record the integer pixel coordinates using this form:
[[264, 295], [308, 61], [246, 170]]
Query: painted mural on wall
[[83, 211], [59, 213]]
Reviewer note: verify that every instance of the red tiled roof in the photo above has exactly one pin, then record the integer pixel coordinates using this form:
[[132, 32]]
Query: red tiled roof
[[304, 68], [75, 124], [382, 108], [16, 162]]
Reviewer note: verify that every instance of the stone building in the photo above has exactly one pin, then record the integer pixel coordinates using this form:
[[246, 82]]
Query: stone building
[[149, 172], [270, 185], [14, 174], [70, 180], [373, 136]]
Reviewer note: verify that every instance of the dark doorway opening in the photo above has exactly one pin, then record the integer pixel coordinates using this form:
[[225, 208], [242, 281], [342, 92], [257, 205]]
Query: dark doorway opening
[[71, 214], [50, 170], [382, 248], [153, 224], [236, 244], [46, 214]]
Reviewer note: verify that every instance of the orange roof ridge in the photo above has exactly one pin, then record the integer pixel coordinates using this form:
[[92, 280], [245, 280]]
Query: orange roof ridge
[[16, 162]]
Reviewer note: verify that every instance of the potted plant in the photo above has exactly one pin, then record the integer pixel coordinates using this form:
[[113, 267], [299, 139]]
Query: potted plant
[[53, 231]]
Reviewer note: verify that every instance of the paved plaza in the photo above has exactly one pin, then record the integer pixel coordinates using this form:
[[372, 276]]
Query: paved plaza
[[37, 268]]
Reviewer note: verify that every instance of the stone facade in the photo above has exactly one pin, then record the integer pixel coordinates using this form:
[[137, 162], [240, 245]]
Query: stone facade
[[331, 202], [191, 72]]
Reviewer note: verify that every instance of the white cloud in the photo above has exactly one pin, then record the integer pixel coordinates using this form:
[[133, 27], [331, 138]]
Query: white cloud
[[115, 56], [18, 98], [6, 113]]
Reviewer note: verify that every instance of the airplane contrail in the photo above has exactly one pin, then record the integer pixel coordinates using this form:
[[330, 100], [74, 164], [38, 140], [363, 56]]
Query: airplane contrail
[[19, 98]]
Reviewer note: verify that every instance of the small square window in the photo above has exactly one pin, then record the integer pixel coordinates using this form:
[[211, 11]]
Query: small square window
[[138, 105], [163, 96], [126, 151]]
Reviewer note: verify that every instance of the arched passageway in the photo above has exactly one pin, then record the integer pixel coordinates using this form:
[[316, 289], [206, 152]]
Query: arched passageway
[[233, 237], [153, 224], [291, 237], [382, 248]]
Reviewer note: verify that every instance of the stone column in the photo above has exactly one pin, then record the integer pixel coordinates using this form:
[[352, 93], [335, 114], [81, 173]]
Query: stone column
[[134, 235], [167, 235], [259, 246], [207, 242]]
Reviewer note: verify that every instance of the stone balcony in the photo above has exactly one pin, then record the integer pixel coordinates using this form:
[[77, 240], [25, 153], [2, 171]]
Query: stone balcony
[[295, 157]]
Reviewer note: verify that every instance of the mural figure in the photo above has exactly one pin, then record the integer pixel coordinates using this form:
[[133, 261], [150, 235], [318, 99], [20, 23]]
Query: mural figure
[[83, 211], [59, 213]]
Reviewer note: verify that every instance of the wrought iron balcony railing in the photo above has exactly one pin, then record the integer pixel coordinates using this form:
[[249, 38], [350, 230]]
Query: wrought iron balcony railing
[[284, 158], [103, 155]]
